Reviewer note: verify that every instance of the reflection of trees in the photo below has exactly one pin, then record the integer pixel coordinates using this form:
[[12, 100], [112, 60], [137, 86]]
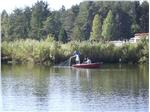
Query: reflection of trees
[[123, 81], [43, 83], [41, 86], [83, 73], [144, 73], [27, 80], [83, 76]]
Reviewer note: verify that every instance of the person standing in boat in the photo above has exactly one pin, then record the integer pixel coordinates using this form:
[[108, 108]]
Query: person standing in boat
[[76, 54]]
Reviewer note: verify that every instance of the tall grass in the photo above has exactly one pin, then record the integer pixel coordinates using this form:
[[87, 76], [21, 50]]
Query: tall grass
[[49, 51]]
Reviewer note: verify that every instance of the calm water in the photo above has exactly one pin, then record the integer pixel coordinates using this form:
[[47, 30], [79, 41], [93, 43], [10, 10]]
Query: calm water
[[38, 88]]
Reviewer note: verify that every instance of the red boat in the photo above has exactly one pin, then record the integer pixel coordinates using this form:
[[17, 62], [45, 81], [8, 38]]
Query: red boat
[[91, 65]]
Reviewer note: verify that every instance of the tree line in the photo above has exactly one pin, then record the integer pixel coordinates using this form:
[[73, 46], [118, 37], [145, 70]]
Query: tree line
[[90, 20]]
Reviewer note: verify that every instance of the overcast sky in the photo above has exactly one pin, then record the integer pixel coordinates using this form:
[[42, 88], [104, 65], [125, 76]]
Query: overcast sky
[[10, 5]]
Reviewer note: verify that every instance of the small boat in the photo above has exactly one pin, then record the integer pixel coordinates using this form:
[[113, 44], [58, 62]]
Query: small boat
[[91, 65]]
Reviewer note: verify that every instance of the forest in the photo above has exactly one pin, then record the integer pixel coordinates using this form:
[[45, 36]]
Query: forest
[[38, 34], [90, 20]]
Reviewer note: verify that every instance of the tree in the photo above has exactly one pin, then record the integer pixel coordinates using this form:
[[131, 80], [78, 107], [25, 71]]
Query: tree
[[82, 19], [86, 31], [77, 33], [52, 25], [27, 18], [86, 28], [135, 28], [79, 22], [75, 9], [96, 28], [144, 17], [63, 36], [39, 14], [68, 19], [17, 25], [109, 28], [83, 14], [5, 25], [123, 25]]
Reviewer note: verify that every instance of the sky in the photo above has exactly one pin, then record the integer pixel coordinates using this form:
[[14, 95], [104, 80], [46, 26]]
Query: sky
[[10, 5]]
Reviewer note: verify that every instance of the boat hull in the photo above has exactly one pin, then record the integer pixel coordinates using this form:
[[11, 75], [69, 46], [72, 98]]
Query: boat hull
[[91, 65]]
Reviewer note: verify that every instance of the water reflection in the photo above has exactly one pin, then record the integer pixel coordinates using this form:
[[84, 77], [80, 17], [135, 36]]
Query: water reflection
[[86, 73], [39, 88]]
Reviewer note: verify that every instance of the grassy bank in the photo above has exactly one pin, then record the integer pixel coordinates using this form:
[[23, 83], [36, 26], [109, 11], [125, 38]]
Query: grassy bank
[[49, 51]]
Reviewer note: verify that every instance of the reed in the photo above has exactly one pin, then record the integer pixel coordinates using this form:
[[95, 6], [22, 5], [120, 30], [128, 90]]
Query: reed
[[49, 51]]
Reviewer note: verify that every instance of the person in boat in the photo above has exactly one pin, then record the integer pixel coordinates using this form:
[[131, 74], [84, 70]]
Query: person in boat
[[76, 54], [87, 60], [84, 60]]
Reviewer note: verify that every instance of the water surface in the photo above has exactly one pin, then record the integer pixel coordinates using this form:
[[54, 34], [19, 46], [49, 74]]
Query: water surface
[[39, 88]]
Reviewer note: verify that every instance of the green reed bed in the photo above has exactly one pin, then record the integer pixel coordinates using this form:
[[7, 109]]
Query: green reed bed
[[49, 51]]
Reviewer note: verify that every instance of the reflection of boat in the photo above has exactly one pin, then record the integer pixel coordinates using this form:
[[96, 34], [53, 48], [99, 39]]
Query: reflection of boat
[[91, 65]]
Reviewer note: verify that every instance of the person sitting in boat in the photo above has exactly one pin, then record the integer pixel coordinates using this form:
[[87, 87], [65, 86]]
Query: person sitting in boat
[[76, 54], [84, 60], [88, 61]]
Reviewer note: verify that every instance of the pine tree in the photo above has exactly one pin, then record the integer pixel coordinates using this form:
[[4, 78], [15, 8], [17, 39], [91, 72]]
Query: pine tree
[[109, 28], [96, 28]]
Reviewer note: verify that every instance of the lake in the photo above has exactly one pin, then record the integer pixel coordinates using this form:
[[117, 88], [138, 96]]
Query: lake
[[113, 87]]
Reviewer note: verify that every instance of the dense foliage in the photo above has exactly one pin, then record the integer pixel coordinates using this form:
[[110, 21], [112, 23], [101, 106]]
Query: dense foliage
[[122, 19], [49, 51], [38, 35]]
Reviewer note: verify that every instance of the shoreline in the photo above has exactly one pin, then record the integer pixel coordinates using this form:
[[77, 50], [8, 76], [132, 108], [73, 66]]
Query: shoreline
[[52, 52]]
